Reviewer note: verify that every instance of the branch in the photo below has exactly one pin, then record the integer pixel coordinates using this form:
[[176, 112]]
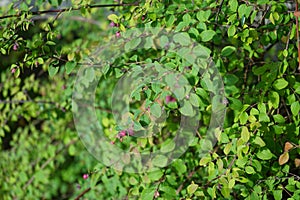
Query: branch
[[83, 193], [69, 9], [48, 161]]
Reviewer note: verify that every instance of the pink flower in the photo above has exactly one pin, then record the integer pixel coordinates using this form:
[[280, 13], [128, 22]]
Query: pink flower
[[85, 176], [16, 46], [118, 34], [122, 133], [112, 142], [156, 194], [112, 24], [170, 99], [13, 70]]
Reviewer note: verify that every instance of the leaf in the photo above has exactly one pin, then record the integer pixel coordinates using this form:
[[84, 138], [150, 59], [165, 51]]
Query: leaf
[[279, 84], [148, 193], [278, 118], [207, 35], [204, 161], [182, 38], [274, 99], [233, 5], [283, 158], [227, 148], [167, 146], [89, 74], [259, 141], [160, 161], [277, 194], [288, 146], [113, 17], [132, 44], [245, 134], [52, 70], [187, 109], [227, 51], [297, 162], [295, 108], [155, 110], [231, 31], [179, 166], [70, 66], [265, 154], [249, 170], [191, 189]]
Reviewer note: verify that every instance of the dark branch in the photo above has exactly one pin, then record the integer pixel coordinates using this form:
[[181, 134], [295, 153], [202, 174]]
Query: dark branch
[[69, 9]]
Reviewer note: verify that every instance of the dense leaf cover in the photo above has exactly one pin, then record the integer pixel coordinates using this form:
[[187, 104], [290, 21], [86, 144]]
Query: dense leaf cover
[[253, 46]]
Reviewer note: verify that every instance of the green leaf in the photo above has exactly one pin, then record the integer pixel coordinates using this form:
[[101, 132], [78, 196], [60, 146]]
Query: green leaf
[[191, 189], [187, 109], [245, 134], [182, 38], [132, 44], [70, 66], [249, 170], [227, 51], [155, 110], [204, 161], [264, 154], [277, 194], [259, 141], [179, 166], [148, 193], [160, 161], [194, 100], [168, 146], [227, 148], [278, 118], [231, 31], [295, 108], [235, 104], [90, 74], [203, 16], [207, 35], [279, 84], [274, 99], [52, 70], [233, 4], [113, 17]]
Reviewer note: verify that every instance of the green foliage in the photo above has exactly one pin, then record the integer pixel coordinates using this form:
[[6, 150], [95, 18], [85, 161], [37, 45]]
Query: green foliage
[[253, 44]]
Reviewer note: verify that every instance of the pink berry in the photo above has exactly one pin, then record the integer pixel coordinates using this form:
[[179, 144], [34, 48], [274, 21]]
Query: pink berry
[[13, 70], [170, 99], [112, 24], [85, 176], [156, 194], [15, 47], [122, 133], [118, 34]]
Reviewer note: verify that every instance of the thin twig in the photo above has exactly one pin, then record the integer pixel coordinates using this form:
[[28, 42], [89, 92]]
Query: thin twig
[[187, 179], [83, 193], [48, 161], [69, 9], [228, 168], [219, 10]]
